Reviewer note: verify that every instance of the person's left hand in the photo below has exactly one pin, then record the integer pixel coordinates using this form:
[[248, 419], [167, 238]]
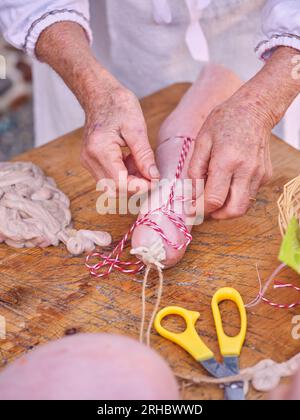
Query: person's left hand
[[232, 154]]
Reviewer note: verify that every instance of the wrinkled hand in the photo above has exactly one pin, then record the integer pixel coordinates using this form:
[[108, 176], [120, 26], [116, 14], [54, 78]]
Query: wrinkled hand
[[114, 119], [232, 154]]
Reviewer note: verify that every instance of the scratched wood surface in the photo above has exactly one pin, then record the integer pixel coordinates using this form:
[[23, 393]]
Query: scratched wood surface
[[46, 293]]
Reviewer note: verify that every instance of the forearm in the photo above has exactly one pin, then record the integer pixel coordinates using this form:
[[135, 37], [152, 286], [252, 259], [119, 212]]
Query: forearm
[[64, 46], [273, 89]]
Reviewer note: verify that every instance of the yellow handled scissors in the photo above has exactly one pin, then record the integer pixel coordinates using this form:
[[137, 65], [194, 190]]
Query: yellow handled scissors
[[230, 347]]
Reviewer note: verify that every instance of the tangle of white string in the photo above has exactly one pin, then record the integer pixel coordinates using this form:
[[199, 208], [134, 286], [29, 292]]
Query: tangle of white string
[[34, 212]]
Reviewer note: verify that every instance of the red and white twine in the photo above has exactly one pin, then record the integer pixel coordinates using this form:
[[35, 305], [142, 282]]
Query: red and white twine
[[112, 261], [279, 285], [276, 285], [108, 263]]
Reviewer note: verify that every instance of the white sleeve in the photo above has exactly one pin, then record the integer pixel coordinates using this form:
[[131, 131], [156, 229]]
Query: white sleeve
[[280, 26], [22, 21]]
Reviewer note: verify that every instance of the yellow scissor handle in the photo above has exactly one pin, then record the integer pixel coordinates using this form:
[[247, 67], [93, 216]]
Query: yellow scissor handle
[[229, 346], [189, 339]]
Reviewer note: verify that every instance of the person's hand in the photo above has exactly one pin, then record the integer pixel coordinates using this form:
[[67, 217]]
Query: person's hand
[[113, 114], [288, 392], [232, 155], [114, 119], [232, 148]]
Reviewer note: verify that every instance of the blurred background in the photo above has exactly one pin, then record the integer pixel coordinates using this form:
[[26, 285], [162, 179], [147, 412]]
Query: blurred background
[[16, 119]]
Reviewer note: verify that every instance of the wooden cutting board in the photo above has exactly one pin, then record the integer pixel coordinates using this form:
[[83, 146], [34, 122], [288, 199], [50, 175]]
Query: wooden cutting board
[[46, 293]]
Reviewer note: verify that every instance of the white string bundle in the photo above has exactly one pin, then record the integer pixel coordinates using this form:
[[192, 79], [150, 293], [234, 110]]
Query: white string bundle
[[35, 213], [264, 376]]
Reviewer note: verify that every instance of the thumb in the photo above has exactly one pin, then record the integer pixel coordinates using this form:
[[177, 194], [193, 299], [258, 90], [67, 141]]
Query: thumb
[[131, 166], [137, 141]]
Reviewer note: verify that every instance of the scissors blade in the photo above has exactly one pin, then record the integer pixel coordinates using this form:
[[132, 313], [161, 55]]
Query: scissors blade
[[216, 369], [234, 390]]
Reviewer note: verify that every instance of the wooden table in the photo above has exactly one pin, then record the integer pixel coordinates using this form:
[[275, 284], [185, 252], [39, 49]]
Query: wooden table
[[46, 293]]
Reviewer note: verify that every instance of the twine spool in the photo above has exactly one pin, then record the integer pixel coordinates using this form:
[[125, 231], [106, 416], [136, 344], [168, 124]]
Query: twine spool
[[289, 204], [289, 207]]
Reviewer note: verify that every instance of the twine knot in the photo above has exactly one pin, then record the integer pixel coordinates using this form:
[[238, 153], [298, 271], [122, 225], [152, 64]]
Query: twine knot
[[153, 255]]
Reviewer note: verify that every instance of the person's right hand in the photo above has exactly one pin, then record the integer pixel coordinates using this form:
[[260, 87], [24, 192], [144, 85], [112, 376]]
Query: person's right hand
[[114, 119]]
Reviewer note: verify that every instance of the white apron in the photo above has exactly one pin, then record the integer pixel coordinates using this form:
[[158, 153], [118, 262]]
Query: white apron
[[149, 45]]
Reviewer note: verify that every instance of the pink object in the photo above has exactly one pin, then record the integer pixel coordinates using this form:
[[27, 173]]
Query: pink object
[[112, 261], [89, 367]]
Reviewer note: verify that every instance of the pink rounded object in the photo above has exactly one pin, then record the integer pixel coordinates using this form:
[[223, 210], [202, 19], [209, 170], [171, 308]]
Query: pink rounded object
[[167, 158], [89, 366]]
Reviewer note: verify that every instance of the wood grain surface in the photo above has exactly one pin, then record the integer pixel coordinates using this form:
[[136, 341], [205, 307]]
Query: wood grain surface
[[46, 293]]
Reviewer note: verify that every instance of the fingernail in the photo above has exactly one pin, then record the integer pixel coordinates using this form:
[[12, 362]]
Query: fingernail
[[154, 172]]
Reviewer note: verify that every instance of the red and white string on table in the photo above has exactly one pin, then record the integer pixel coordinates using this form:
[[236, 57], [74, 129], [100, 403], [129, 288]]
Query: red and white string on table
[[261, 297]]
